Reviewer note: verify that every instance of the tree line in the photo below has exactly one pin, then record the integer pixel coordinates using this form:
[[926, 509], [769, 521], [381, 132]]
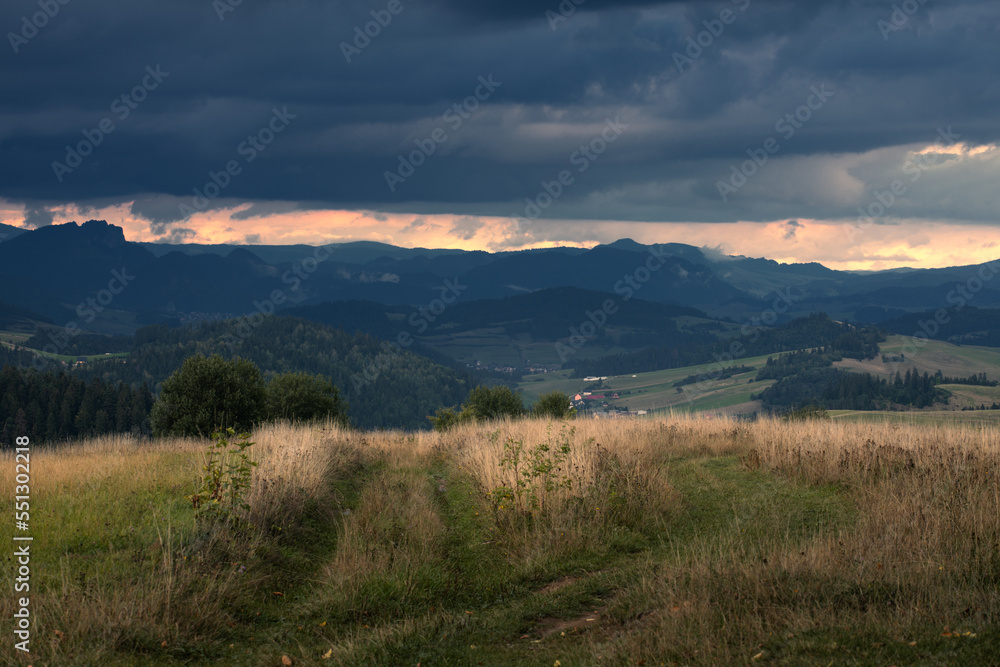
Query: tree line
[[205, 394], [835, 389], [50, 407]]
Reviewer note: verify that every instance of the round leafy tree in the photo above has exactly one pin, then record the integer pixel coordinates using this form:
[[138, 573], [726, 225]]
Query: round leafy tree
[[499, 402], [207, 393], [554, 404], [303, 397]]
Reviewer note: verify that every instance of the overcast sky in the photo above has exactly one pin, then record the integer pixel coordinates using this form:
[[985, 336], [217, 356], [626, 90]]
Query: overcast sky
[[761, 126]]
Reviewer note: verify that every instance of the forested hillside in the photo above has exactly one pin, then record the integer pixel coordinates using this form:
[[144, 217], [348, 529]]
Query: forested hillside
[[548, 314], [21, 358], [816, 330], [965, 326], [384, 387]]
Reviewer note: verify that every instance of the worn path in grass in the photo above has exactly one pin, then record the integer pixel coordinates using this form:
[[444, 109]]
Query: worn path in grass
[[437, 587], [471, 603]]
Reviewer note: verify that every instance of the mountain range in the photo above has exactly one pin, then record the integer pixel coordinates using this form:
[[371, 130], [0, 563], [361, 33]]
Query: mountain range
[[91, 275]]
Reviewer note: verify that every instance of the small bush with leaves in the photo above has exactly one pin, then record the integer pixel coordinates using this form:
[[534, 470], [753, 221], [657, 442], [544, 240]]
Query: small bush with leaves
[[228, 474], [484, 404], [445, 418], [536, 473]]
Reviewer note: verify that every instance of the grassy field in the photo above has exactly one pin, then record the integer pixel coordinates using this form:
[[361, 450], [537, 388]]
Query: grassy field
[[919, 417], [952, 360], [655, 391], [12, 338], [670, 541], [971, 396]]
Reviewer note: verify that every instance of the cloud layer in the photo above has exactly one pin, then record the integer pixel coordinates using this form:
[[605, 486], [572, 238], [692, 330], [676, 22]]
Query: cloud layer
[[742, 110]]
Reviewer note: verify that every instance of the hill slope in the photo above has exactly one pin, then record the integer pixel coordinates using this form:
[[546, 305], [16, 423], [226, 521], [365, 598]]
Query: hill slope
[[384, 387]]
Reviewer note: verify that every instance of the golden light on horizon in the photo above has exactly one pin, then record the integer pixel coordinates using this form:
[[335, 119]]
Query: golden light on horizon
[[914, 243]]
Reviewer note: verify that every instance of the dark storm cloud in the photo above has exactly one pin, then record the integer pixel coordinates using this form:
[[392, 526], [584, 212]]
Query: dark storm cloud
[[176, 234], [791, 228], [75, 86], [38, 217]]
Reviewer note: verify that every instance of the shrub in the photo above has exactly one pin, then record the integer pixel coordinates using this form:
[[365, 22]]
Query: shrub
[[227, 479], [484, 404], [445, 418], [807, 412], [537, 472]]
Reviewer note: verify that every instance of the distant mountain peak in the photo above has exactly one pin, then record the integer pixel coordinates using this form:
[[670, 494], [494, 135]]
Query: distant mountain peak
[[103, 231], [90, 232], [628, 244]]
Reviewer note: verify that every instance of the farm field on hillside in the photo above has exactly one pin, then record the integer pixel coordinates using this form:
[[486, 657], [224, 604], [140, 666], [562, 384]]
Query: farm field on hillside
[[952, 360], [656, 390], [919, 417], [971, 396], [10, 339]]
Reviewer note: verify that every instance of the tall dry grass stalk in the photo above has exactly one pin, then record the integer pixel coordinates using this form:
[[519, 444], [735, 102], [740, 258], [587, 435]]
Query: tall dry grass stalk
[[295, 465]]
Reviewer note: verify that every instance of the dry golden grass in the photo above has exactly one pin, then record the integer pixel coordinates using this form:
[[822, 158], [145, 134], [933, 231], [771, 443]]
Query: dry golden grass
[[924, 551], [294, 468], [713, 541], [395, 531], [118, 563], [85, 465]]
